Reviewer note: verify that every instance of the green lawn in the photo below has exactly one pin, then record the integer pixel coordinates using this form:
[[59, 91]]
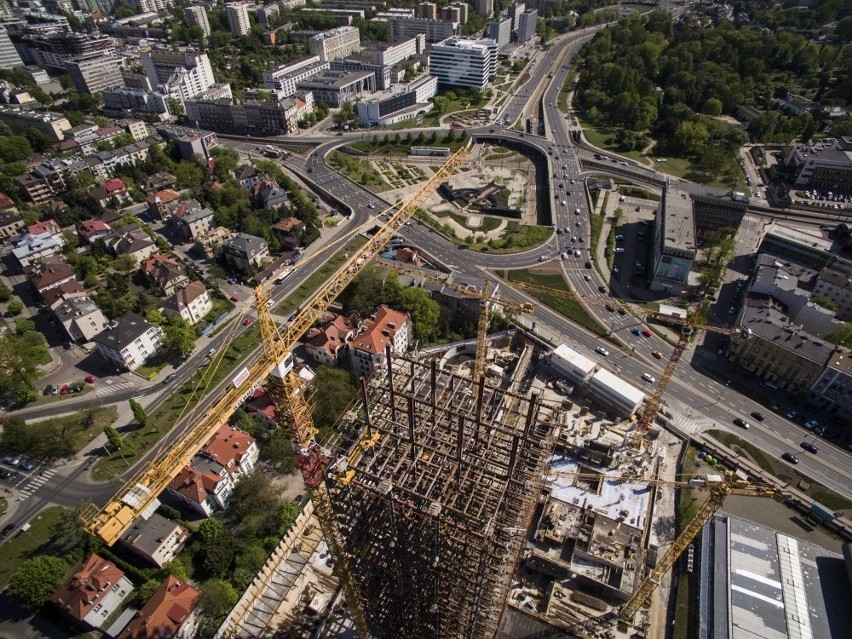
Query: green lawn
[[358, 171], [603, 137], [25, 545], [570, 308]]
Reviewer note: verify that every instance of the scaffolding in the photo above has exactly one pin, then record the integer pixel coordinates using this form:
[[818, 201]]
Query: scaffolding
[[434, 498]]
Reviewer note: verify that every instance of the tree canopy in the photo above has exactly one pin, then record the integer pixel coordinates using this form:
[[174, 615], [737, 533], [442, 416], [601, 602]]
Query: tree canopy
[[36, 579]]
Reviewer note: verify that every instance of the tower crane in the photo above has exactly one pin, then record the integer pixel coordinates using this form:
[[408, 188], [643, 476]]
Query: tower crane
[[112, 519], [484, 295], [688, 328], [718, 487]]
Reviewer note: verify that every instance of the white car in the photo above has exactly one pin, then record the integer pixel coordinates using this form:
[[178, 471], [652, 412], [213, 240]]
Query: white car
[[648, 377], [602, 351], [543, 258], [577, 211], [588, 278]]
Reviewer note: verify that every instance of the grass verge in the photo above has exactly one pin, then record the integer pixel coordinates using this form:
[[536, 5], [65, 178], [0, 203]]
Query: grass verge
[[358, 171], [783, 471], [570, 308], [603, 137], [25, 545]]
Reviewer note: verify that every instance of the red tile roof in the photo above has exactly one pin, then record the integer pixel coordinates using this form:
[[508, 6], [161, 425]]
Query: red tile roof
[[89, 227], [378, 331], [185, 296], [165, 196], [114, 185], [228, 446], [84, 590], [194, 485], [164, 613], [44, 226], [152, 262]]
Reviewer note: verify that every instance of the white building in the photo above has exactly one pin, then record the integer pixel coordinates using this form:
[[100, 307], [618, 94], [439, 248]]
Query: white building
[[153, 6], [129, 341], [238, 19], [501, 32], [464, 62], [178, 74], [385, 327], [390, 54], [155, 538], [190, 303], [285, 76], [432, 30], [54, 124], [9, 57], [196, 16], [336, 43], [32, 247], [571, 364], [397, 105], [95, 73], [615, 393]]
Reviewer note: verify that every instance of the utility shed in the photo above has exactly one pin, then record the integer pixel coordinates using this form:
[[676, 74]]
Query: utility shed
[[615, 393]]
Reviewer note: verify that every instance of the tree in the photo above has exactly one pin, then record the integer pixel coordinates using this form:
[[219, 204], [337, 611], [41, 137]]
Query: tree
[[146, 591], [115, 439], [5, 293], [178, 336], [373, 286], [277, 450], [254, 495], [15, 307], [36, 579], [712, 106], [156, 317], [217, 555], [842, 336], [217, 597], [175, 107], [138, 413], [338, 391], [124, 263], [189, 175], [424, 311], [825, 302], [289, 511], [210, 530], [440, 104], [226, 162]]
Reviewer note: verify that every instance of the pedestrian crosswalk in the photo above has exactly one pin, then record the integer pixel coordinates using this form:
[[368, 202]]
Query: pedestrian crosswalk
[[32, 482], [110, 386]]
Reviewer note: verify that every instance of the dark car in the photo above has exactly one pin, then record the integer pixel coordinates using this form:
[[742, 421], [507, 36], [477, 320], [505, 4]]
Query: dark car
[[757, 415], [808, 446], [603, 289], [790, 457], [7, 530], [4, 474], [588, 265], [741, 422]]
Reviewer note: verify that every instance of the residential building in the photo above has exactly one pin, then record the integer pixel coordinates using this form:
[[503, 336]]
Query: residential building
[[111, 194], [285, 77], [93, 593], [464, 62], [432, 30], [158, 182], [712, 214], [191, 142], [158, 203], [94, 73], [154, 538], [327, 343], [336, 87], [44, 226], [178, 74], [80, 317], [136, 99], [451, 13], [66, 290], [213, 241], [674, 246], [153, 6], [266, 14], [832, 391], [247, 176], [484, 7], [53, 50], [195, 223], [246, 252], [196, 16], [336, 43], [428, 10], [267, 194], [37, 247], [130, 240], [91, 230], [137, 129], [129, 341], [238, 19], [501, 32], [463, 9], [47, 274], [527, 24], [824, 165], [395, 106], [164, 273], [775, 349], [103, 164], [206, 484], [252, 118], [169, 613], [7, 204], [837, 286], [191, 303], [9, 58], [385, 327], [54, 124], [515, 11], [10, 225]]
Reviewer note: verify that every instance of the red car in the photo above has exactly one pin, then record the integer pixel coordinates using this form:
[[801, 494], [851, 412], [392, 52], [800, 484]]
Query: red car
[[646, 332], [234, 298], [64, 389], [247, 321], [90, 379]]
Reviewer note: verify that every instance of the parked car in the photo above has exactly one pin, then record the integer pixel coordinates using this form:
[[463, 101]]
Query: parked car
[[90, 379], [11, 460], [790, 457], [741, 423], [636, 330], [7, 530], [4, 474], [64, 389], [808, 446], [758, 415], [811, 424], [25, 465], [234, 298]]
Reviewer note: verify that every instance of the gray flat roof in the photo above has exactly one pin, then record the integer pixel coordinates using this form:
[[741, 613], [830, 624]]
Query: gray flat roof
[[766, 321], [678, 220]]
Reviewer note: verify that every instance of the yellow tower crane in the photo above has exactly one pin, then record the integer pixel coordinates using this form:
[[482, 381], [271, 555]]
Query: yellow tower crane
[[485, 297], [718, 487]]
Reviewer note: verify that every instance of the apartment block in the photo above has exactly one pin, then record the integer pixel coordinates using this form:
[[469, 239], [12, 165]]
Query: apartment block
[[832, 392], [464, 62], [156, 539], [94, 73], [432, 30], [427, 10], [54, 124], [129, 341], [9, 57], [335, 43], [484, 7], [527, 23], [501, 32], [515, 11], [179, 74], [238, 19], [196, 16]]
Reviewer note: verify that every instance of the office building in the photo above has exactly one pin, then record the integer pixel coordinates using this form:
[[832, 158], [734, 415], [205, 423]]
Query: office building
[[238, 19], [136, 100], [464, 62], [527, 24], [260, 118], [484, 7], [94, 73], [391, 54], [9, 57], [336, 87], [674, 241], [713, 214], [432, 30], [335, 43], [396, 106], [427, 10], [178, 74], [196, 16], [501, 32], [825, 166], [811, 249], [285, 77]]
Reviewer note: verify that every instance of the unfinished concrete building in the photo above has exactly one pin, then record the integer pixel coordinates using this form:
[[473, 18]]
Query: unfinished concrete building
[[435, 496]]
